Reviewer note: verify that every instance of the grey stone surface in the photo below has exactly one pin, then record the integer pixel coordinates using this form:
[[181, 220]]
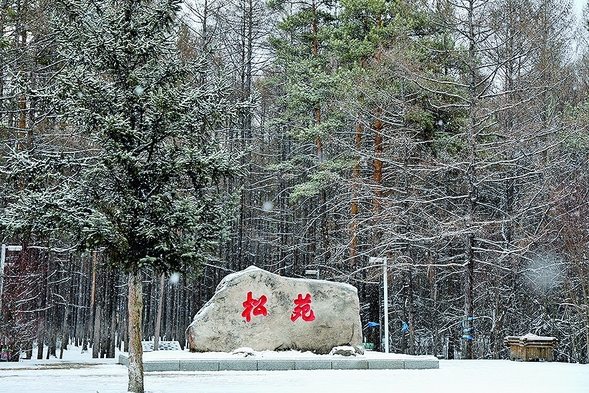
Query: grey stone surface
[[162, 365], [386, 364], [275, 364], [243, 364], [349, 364], [124, 360], [199, 365], [288, 363], [425, 363], [313, 364], [254, 308]]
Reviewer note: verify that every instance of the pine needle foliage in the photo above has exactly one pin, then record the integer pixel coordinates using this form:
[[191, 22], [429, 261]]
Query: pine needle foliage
[[146, 190]]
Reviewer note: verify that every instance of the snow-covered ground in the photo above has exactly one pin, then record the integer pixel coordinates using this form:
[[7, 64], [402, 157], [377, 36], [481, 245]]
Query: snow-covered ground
[[453, 376]]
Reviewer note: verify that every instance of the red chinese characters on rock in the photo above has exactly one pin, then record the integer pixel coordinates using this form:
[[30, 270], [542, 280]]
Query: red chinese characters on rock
[[257, 307], [254, 306], [303, 309]]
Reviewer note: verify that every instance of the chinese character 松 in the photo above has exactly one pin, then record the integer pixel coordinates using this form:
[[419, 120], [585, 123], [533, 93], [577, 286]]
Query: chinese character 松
[[254, 306]]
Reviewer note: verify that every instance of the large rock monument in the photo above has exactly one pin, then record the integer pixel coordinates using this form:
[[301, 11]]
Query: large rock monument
[[264, 311]]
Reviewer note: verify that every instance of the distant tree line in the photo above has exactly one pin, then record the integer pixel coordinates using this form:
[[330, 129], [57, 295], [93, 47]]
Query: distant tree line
[[448, 137]]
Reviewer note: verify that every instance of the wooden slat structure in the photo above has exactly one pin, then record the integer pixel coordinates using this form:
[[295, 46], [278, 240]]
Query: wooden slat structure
[[531, 347]]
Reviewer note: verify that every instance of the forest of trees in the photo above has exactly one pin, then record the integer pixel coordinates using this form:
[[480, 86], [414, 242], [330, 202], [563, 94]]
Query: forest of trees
[[448, 136]]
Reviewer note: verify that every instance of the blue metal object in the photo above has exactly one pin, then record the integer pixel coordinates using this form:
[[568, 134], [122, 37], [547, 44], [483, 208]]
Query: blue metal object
[[373, 324], [467, 337], [405, 326]]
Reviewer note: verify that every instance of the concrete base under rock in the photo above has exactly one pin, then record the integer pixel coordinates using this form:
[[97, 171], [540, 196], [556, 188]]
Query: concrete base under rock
[[377, 361]]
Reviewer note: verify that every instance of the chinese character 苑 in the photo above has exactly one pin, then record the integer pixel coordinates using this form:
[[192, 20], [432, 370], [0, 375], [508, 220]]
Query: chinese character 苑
[[254, 306], [303, 309]]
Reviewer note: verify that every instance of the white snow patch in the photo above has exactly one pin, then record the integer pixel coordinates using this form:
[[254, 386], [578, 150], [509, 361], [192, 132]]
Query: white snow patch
[[174, 278], [453, 376]]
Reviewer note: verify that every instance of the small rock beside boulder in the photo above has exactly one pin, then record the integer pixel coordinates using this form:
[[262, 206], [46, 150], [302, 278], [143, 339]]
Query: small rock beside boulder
[[343, 351], [264, 311]]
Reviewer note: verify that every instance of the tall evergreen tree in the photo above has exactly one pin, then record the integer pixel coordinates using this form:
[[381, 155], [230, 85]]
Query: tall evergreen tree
[[310, 118], [145, 191]]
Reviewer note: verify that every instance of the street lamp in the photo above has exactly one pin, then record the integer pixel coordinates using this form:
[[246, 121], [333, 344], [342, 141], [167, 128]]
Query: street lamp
[[383, 261]]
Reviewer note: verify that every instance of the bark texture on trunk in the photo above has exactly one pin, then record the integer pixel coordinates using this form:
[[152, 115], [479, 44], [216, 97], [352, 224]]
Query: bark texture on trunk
[[135, 334], [158, 318]]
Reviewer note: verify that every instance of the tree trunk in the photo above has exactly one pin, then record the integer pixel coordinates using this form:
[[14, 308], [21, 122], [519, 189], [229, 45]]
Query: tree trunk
[[135, 334], [471, 179], [110, 349], [377, 177], [51, 344], [92, 299], [469, 299], [158, 318], [40, 337], [354, 210], [96, 335], [64, 333], [411, 312]]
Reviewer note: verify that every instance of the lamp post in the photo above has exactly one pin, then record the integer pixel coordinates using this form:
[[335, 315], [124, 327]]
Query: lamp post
[[2, 260], [383, 261]]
